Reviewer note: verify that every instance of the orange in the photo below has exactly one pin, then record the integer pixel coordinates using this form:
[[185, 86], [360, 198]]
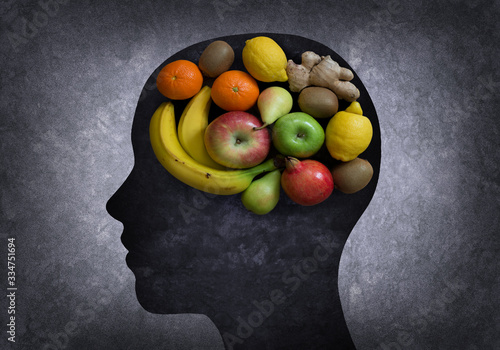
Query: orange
[[235, 90], [179, 80]]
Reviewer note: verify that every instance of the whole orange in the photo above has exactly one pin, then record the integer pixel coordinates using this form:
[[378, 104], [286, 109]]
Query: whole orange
[[235, 90], [179, 80]]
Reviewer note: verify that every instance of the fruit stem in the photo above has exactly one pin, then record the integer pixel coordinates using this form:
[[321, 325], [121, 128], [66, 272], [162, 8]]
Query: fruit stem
[[268, 165], [279, 161], [260, 127], [291, 163]]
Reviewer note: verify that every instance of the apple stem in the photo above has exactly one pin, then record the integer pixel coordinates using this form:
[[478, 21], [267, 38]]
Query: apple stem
[[260, 127]]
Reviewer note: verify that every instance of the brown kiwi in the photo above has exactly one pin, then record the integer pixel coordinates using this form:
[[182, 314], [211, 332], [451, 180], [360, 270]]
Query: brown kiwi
[[318, 102], [352, 176], [217, 58]]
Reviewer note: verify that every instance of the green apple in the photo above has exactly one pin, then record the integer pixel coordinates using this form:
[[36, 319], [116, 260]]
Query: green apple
[[298, 135]]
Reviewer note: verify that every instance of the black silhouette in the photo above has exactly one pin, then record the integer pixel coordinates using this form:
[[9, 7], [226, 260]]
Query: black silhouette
[[267, 282]]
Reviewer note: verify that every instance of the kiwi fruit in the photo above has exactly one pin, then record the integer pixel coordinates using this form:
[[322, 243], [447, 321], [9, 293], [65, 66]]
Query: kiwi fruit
[[318, 102], [217, 58], [353, 176]]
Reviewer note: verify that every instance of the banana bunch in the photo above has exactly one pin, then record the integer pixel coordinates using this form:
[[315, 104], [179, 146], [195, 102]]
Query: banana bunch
[[192, 125], [191, 163]]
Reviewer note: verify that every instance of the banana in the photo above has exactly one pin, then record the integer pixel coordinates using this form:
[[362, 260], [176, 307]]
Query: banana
[[173, 157], [192, 125]]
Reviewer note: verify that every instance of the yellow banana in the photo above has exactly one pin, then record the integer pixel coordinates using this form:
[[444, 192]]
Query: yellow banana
[[192, 125], [173, 157]]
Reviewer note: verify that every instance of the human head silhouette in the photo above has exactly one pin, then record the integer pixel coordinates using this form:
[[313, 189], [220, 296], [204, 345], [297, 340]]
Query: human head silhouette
[[267, 282]]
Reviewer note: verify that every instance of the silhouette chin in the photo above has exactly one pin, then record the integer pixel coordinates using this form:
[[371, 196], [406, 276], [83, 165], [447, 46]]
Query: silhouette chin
[[265, 281]]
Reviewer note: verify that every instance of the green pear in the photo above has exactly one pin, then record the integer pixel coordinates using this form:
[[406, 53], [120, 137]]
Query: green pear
[[273, 103], [263, 194]]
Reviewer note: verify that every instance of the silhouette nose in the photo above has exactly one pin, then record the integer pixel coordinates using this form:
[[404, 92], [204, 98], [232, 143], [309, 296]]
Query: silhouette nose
[[118, 206], [137, 199], [111, 206]]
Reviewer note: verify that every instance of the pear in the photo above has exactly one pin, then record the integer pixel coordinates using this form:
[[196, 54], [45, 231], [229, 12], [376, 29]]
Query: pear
[[273, 103], [263, 194]]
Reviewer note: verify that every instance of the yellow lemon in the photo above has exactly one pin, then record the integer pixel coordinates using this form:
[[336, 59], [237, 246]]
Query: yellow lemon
[[264, 59], [348, 133]]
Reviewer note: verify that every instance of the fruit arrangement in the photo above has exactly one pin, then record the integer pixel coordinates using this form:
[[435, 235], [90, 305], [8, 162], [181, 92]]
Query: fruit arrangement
[[276, 118]]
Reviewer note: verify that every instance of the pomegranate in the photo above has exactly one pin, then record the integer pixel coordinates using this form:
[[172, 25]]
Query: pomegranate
[[306, 182]]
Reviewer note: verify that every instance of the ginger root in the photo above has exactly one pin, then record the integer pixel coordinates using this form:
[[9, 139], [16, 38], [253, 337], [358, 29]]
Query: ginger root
[[321, 71]]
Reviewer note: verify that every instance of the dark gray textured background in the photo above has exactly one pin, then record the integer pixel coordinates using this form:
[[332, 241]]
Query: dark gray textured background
[[420, 270]]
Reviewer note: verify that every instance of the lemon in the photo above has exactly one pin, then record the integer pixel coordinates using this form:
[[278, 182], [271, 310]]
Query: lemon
[[348, 133], [264, 59]]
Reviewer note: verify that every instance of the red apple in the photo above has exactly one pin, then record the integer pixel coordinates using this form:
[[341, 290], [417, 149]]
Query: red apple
[[231, 140], [306, 182]]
